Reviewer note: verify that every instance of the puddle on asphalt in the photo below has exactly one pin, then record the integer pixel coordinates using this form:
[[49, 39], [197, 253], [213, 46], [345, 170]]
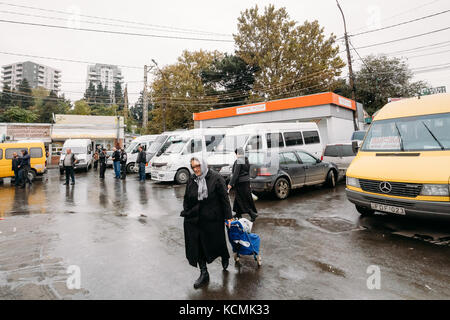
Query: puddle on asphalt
[[333, 224], [329, 268], [278, 222]]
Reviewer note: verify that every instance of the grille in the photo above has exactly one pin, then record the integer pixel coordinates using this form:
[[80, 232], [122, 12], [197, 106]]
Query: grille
[[408, 190], [158, 165], [389, 202]]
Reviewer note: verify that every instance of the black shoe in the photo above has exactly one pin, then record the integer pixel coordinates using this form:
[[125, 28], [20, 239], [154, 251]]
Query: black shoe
[[66, 183], [202, 280], [225, 264], [73, 182], [253, 216]]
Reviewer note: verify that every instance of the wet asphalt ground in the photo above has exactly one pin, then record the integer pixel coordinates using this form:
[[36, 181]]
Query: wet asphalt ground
[[127, 240]]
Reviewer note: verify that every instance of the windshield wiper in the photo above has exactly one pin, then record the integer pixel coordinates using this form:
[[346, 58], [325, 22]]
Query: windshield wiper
[[440, 144], [400, 135]]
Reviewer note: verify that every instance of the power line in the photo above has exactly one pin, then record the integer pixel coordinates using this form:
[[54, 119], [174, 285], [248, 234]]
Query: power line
[[400, 24], [97, 23], [113, 32], [402, 39], [113, 19], [424, 48]]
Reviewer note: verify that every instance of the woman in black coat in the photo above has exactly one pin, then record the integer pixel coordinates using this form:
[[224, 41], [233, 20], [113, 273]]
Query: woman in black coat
[[240, 182], [206, 208]]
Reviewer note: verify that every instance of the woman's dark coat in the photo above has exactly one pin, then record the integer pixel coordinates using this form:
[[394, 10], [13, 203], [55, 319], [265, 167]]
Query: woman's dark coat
[[240, 181], [204, 221]]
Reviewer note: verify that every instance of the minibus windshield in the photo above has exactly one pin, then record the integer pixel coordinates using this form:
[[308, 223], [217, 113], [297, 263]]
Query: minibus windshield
[[155, 146], [419, 133], [175, 146], [133, 146], [231, 143]]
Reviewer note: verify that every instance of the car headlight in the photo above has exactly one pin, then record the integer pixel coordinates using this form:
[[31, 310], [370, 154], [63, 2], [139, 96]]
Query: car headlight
[[225, 169], [353, 182], [435, 190]]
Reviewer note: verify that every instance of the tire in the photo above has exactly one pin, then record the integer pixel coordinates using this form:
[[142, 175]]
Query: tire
[[331, 179], [182, 176], [32, 175], [282, 188], [130, 167], [363, 211]]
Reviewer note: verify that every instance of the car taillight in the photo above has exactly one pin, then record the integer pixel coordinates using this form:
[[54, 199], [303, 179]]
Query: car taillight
[[321, 158], [263, 172]]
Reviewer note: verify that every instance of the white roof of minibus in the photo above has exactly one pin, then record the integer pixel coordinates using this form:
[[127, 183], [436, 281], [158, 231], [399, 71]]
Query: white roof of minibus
[[150, 137], [198, 132], [77, 142], [270, 127]]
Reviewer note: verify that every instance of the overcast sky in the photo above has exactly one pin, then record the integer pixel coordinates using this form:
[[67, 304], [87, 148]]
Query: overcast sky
[[179, 17]]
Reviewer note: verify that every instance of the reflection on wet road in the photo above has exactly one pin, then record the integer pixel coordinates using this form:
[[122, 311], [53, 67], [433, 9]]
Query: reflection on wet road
[[127, 239]]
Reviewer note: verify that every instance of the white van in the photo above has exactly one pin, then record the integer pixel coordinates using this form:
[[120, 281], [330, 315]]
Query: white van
[[174, 163], [132, 149], [82, 148], [265, 137]]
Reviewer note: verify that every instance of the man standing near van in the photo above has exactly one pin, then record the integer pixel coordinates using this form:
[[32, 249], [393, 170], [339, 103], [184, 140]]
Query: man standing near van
[[141, 161], [103, 158], [24, 167], [69, 162], [116, 162], [15, 167], [123, 164]]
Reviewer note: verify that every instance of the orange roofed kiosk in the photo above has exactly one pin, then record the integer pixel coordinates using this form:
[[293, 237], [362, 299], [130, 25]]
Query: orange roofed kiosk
[[332, 113]]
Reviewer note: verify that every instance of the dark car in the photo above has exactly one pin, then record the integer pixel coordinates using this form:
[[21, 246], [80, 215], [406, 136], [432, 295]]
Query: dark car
[[282, 171]]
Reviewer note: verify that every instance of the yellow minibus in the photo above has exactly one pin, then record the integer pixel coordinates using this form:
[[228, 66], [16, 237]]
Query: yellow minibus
[[403, 165]]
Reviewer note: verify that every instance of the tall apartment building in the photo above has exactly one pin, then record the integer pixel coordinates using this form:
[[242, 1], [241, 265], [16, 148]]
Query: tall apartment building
[[105, 74], [37, 75]]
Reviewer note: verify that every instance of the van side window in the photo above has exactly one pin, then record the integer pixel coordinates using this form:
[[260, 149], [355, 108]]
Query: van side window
[[35, 152], [10, 151], [274, 140], [293, 138], [255, 143], [311, 137], [195, 146], [212, 141]]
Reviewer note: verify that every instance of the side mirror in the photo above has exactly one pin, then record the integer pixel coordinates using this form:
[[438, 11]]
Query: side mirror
[[355, 146]]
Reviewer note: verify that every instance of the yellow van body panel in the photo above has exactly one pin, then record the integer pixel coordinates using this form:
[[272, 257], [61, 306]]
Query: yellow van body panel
[[38, 164], [432, 104]]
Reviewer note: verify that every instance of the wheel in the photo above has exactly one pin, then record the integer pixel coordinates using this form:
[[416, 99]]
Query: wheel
[[61, 171], [236, 257], [258, 260], [364, 211], [282, 188], [182, 176], [31, 175], [331, 179], [130, 167]]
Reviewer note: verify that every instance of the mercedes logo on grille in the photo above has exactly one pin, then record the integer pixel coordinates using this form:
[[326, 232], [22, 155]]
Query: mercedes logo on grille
[[385, 187]]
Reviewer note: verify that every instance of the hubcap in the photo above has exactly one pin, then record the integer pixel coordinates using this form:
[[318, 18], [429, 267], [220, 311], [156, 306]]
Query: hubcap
[[282, 189]]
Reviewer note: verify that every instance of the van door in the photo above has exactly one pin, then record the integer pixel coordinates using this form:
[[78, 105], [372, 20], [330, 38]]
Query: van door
[[293, 167], [314, 171]]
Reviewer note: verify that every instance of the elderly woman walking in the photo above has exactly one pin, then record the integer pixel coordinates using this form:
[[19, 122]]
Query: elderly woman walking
[[240, 182], [206, 210]]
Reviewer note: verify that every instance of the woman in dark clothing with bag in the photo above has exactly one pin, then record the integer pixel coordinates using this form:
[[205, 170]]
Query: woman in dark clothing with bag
[[240, 182], [206, 210]]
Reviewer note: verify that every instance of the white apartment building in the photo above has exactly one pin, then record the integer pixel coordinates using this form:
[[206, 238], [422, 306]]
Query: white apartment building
[[105, 74]]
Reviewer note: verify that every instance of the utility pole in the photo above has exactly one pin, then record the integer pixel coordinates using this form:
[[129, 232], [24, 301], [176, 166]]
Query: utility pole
[[145, 101], [125, 104], [164, 97], [350, 69]]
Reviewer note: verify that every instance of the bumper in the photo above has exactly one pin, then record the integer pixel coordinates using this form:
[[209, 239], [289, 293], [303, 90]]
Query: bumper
[[261, 185], [160, 175], [412, 207]]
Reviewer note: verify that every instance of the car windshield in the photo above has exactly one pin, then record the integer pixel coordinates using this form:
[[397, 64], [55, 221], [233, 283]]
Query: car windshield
[[76, 150], [175, 147], [358, 135], [231, 143], [155, 146], [419, 133]]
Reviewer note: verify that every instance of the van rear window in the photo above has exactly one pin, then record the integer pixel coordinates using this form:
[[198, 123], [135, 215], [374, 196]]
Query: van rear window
[[311, 137], [35, 152], [274, 140]]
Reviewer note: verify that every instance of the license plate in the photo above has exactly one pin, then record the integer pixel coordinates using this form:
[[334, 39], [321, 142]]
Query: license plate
[[385, 208]]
